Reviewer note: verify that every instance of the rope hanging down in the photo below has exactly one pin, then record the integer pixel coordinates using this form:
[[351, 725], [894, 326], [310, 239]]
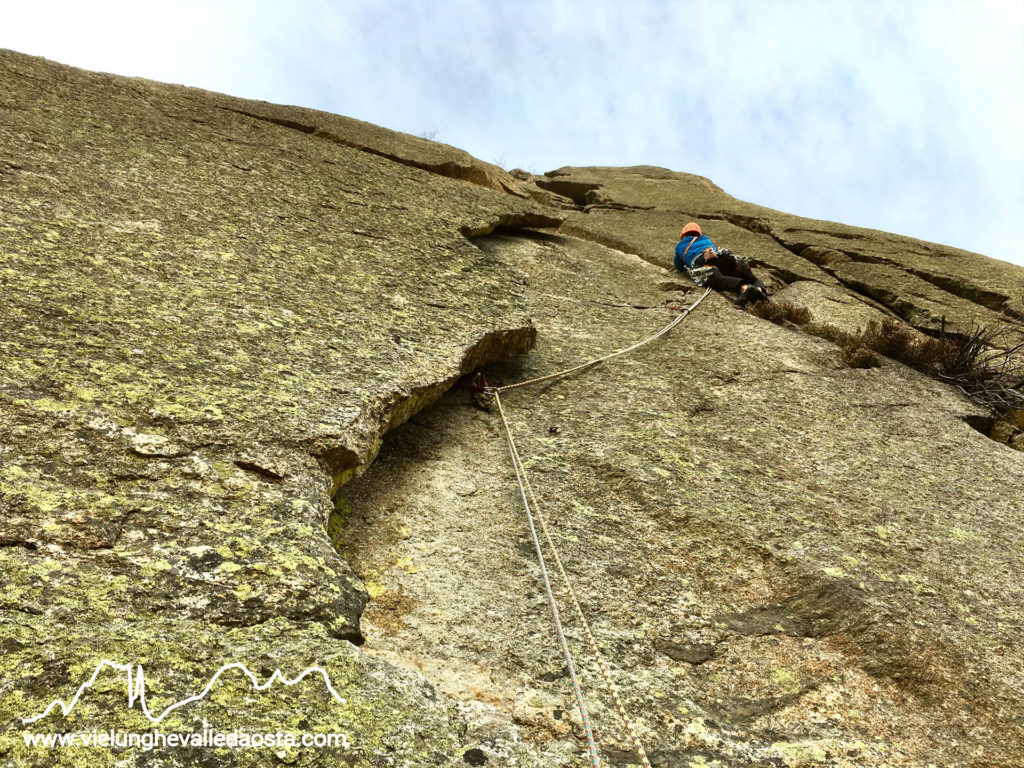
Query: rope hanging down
[[520, 472], [533, 509]]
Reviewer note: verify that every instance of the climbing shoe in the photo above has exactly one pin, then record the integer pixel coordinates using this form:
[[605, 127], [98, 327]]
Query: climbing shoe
[[748, 293]]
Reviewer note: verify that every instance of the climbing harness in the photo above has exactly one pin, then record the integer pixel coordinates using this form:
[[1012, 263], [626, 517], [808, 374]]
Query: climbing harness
[[699, 275], [535, 515]]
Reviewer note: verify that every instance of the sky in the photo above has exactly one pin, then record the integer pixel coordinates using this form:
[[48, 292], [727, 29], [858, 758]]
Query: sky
[[902, 116]]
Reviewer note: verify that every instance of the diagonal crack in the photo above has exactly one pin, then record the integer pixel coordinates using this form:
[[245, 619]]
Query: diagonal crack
[[992, 300], [449, 169]]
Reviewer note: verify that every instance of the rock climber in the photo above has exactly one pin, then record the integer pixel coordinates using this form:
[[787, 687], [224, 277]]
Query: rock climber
[[719, 269]]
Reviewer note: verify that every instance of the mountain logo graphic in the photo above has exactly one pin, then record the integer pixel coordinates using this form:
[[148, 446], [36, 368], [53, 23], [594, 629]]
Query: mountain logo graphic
[[136, 678]]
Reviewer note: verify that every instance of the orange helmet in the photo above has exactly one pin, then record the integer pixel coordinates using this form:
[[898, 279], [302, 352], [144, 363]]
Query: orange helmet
[[691, 227]]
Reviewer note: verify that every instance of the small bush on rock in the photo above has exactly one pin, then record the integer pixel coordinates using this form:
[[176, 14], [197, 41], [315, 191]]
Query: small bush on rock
[[987, 363], [780, 313], [833, 333], [859, 357], [892, 339], [899, 341]]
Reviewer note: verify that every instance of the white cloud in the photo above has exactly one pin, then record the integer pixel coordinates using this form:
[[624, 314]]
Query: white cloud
[[906, 116]]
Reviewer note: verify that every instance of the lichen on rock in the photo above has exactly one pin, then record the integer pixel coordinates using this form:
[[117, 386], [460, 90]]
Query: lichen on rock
[[225, 324], [210, 320]]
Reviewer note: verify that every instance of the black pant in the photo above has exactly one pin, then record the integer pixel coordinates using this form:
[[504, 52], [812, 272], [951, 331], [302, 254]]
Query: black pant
[[726, 273]]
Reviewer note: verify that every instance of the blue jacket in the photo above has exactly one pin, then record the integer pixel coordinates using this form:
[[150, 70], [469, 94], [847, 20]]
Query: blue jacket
[[699, 244]]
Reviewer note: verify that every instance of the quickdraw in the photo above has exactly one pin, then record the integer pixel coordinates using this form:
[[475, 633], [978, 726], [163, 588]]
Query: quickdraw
[[483, 394], [699, 275]]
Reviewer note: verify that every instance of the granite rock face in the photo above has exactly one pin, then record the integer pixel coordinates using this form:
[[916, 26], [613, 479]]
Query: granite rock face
[[215, 310], [786, 561], [209, 321], [921, 282]]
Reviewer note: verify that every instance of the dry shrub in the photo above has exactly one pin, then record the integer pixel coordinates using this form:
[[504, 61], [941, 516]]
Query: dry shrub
[[859, 357], [780, 313], [986, 363], [833, 333], [900, 342], [892, 339]]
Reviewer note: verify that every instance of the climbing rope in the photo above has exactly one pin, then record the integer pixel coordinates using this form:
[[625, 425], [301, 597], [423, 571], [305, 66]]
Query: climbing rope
[[533, 509], [520, 472], [525, 481], [609, 356]]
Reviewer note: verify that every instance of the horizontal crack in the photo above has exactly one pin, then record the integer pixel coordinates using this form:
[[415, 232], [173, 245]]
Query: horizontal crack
[[512, 221], [23, 543], [449, 169]]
